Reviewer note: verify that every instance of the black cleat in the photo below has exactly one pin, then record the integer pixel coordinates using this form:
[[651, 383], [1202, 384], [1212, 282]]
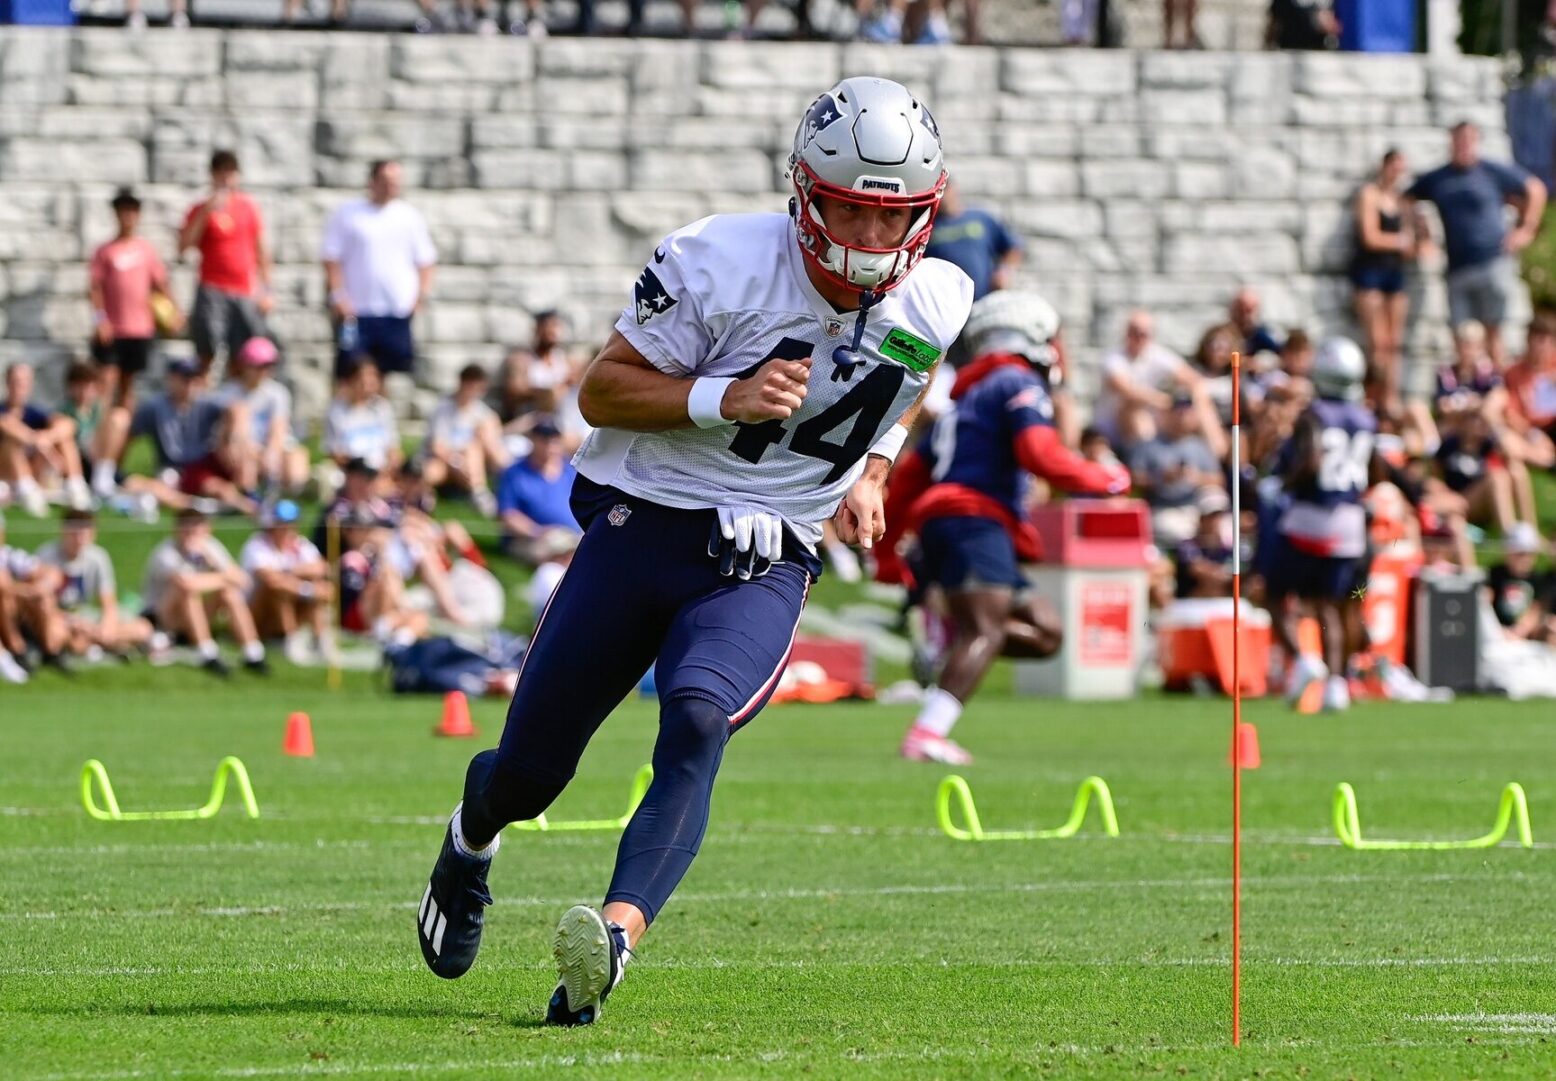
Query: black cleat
[[591, 957], [260, 667], [216, 666], [452, 912]]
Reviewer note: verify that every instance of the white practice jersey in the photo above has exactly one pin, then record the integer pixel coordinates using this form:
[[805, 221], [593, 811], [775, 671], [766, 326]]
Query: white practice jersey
[[723, 296]]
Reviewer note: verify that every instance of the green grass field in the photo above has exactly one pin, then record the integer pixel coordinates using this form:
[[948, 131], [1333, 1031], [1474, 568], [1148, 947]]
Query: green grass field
[[827, 930]]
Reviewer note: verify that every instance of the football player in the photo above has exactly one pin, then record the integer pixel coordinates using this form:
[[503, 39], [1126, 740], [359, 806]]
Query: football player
[[1319, 562], [760, 382], [963, 491]]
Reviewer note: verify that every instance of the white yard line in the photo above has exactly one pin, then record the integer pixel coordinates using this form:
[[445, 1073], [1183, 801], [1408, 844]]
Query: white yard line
[[717, 964], [806, 894], [774, 1055]]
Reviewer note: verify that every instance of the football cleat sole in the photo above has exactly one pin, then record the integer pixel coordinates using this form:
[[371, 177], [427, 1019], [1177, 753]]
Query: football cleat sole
[[584, 960]]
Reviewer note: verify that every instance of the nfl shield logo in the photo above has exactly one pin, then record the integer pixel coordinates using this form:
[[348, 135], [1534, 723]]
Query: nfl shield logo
[[619, 514], [834, 327]]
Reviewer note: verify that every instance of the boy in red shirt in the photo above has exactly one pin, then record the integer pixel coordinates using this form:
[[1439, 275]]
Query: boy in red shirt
[[125, 274], [229, 232]]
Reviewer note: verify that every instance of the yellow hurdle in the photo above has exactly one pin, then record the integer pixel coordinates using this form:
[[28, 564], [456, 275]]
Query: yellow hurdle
[[1514, 807], [229, 766], [954, 786], [640, 783]]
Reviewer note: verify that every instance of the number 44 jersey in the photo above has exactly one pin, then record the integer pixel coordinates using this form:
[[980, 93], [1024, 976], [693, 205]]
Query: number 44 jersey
[[723, 296]]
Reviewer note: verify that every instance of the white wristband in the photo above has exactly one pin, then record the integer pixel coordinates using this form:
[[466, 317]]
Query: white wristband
[[705, 403], [889, 445]]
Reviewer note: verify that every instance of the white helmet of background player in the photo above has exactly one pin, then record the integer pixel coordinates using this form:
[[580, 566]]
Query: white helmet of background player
[[1012, 321], [1339, 370], [871, 142]]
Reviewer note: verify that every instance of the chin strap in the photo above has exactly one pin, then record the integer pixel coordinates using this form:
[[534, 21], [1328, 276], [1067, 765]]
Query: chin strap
[[846, 358]]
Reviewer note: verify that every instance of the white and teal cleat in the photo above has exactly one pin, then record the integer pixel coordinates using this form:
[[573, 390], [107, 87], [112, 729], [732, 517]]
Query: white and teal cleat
[[591, 957]]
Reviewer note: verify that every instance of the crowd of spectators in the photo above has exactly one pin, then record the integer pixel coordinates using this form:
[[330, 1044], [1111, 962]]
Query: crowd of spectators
[[220, 436], [149, 425], [1291, 24]]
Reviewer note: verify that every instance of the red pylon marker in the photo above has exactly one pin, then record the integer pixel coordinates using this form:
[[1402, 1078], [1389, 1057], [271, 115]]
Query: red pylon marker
[[456, 717], [1245, 755], [298, 741]]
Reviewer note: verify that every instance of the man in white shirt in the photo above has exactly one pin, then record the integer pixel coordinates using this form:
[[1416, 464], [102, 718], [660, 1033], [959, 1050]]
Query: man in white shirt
[[378, 264], [1138, 381], [190, 578], [464, 441], [759, 383], [88, 593], [288, 583]]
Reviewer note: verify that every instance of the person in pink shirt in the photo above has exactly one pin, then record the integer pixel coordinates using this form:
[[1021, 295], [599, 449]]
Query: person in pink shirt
[[125, 274], [234, 293]]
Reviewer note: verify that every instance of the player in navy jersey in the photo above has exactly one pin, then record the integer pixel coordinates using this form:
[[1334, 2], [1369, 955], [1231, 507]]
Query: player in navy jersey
[[760, 382], [963, 488], [1320, 550]]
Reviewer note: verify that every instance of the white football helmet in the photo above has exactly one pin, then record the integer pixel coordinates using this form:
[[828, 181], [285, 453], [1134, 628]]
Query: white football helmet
[[1339, 370], [871, 142], [1011, 321]]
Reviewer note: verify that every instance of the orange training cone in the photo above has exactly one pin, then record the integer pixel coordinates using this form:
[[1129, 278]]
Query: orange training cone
[[299, 736], [1246, 749], [456, 716]]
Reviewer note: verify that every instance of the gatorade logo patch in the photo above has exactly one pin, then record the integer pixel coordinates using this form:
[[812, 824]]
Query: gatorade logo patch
[[909, 351]]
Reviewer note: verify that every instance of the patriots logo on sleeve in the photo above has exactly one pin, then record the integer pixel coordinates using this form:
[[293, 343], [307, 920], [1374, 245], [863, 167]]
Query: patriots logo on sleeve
[[1032, 398], [649, 297]]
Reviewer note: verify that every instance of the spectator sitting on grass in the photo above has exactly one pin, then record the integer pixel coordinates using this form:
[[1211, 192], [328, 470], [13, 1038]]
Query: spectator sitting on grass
[[28, 606], [360, 422], [1473, 467], [372, 593], [37, 446], [1531, 392], [289, 584], [464, 441], [412, 503], [86, 409], [536, 379], [1171, 469], [533, 498], [1204, 561], [1139, 380], [269, 454], [1254, 335], [88, 593], [1471, 384], [193, 435], [359, 488], [191, 578], [1520, 596]]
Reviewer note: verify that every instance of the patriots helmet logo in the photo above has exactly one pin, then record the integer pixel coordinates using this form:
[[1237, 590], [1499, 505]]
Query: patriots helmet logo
[[822, 114], [929, 121], [649, 297]]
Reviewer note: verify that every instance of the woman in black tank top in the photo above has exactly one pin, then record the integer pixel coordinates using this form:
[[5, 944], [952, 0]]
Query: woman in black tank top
[[1385, 240]]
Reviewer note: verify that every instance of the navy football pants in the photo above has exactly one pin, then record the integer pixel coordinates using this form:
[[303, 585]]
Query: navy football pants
[[641, 590]]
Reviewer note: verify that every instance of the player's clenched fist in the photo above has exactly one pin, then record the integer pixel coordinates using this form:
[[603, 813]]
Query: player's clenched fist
[[775, 392]]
